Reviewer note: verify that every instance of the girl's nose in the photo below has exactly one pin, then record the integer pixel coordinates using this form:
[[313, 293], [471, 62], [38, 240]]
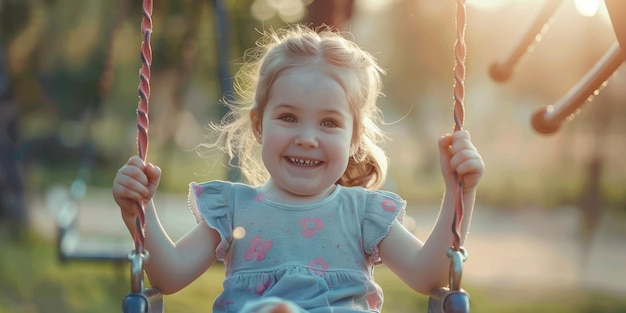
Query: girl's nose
[[306, 138]]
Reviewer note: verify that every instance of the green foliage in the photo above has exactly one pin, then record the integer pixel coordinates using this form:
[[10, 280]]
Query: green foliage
[[33, 280]]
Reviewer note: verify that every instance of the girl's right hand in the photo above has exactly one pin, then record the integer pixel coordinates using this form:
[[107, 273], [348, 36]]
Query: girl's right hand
[[135, 182]]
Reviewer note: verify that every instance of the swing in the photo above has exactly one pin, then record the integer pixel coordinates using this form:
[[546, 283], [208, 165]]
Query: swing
[[71, 245], [141, 300], [451, 299], [548, 119], [150, 300]]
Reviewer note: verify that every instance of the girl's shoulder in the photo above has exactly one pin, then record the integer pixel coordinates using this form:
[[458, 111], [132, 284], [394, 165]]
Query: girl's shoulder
[[217, 197], [220, 187], [371, 195], [374, 204]]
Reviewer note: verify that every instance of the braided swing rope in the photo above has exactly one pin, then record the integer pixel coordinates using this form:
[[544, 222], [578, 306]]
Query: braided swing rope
[[139, 255], [459, 115], [142, 115], [453, 299]]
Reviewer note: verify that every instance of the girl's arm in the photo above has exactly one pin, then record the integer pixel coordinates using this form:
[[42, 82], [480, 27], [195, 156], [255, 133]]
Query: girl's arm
[[170, 266], [425, 266]]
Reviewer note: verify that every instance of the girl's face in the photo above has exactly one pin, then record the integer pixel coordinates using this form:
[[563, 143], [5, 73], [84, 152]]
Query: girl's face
[[305, 132]]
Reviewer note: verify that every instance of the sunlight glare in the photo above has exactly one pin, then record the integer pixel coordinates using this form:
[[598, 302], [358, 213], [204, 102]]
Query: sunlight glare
[[239, 232], [376, 6], [487, 4], [587, 7], [291, 11], [261, 10]]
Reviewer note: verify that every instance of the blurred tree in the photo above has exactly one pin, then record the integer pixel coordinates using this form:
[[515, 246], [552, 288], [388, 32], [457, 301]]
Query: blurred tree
[[55, 64], [73, 66], [335, 13], [13, 15], [420, 48]]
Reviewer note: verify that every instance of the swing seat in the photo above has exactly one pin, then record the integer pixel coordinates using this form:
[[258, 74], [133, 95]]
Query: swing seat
[[73, 246], [444, 300], [148, 301]]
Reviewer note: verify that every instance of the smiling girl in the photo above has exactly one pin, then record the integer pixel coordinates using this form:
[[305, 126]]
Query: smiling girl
[[306, 230]]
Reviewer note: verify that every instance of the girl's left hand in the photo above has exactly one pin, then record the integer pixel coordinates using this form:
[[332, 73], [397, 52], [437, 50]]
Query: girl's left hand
[[458, 154]]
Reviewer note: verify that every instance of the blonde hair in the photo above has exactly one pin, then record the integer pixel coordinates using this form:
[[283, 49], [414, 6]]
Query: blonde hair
[[297, 46]]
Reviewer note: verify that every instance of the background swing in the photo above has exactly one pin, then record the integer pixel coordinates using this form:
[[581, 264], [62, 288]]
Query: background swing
[[71, 245]]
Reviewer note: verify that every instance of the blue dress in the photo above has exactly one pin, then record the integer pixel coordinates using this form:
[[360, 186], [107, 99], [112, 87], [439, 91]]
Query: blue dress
[[318, 257]]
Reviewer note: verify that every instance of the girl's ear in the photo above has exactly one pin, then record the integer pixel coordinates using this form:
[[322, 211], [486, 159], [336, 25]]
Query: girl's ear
[[257, 123]]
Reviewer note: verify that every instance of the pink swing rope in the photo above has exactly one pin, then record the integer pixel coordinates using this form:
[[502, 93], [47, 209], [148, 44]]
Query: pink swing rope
[[454, 299], [459, 115], [142, 114]]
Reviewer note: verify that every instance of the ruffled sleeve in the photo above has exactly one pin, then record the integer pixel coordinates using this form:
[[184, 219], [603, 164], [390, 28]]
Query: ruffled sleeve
[[210, 202], [381, 209]]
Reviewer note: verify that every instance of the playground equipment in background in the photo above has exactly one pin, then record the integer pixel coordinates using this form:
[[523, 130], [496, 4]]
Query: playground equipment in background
[[71, 245], [548, 119]]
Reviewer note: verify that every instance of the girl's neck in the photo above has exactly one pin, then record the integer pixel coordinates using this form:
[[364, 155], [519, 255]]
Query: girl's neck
[[277, 194]]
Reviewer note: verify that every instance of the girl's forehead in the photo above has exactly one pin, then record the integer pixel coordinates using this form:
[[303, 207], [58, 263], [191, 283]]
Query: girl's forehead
[[309, 87], [311, 74], [318, 66], [342, 76]]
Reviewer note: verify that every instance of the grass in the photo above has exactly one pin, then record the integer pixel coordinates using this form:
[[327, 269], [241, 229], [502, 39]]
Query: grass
[[33, 280]]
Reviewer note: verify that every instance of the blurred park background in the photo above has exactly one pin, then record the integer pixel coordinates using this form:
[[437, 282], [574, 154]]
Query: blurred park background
[[551, 211]]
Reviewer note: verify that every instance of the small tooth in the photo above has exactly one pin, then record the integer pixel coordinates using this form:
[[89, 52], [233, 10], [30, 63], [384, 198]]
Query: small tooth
[[304, 162]]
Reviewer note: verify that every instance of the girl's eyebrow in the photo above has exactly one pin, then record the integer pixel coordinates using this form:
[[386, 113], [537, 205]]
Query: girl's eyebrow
[[284, 105], [335, 112]]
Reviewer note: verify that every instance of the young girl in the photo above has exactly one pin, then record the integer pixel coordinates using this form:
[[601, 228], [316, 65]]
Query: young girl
[[305, 234]]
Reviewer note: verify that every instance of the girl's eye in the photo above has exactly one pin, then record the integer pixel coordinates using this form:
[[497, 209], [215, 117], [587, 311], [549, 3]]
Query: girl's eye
[[287, 118], [329, 123]]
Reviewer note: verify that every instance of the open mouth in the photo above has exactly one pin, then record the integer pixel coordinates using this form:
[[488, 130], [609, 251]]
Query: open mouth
[[303, 162]]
